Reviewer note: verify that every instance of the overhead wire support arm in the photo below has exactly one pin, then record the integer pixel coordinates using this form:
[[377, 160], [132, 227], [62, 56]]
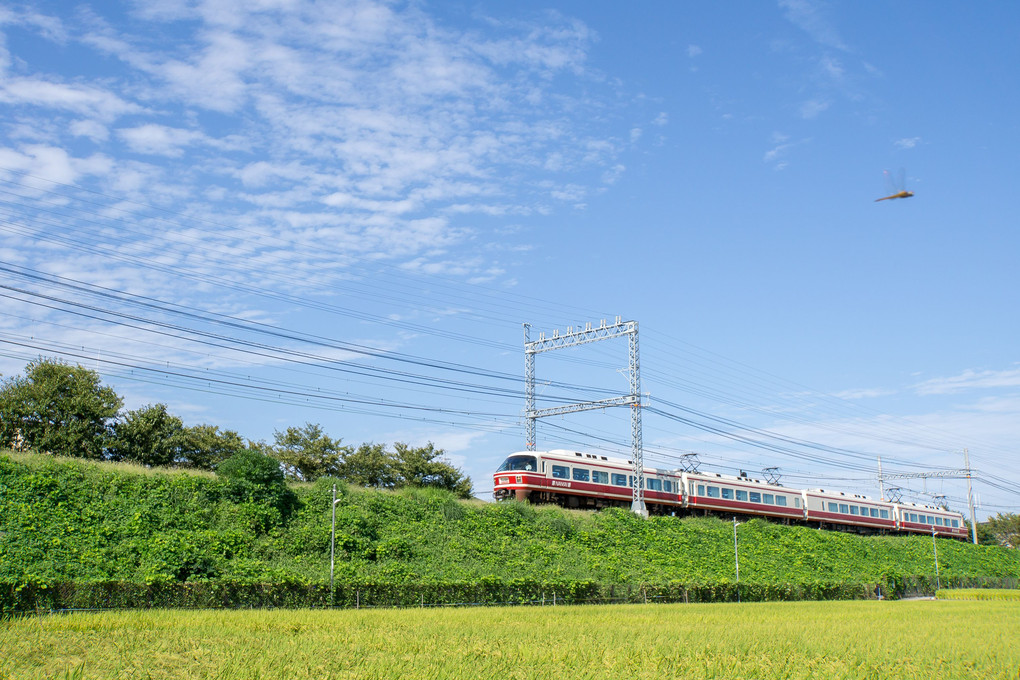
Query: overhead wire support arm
[[945, 474], [583, 406]]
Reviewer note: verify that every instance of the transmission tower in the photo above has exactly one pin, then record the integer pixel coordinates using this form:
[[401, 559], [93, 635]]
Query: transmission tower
[[573, 338]]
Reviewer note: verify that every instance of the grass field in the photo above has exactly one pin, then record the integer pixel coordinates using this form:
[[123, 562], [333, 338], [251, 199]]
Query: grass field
[[914, 640]]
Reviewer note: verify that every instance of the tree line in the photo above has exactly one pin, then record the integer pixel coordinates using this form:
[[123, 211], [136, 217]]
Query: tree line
[[64, 409]]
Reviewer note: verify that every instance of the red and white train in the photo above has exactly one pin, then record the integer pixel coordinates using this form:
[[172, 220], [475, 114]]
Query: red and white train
[[585, 480]]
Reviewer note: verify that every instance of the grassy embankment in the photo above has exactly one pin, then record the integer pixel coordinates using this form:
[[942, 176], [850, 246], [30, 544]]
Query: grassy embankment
[[926, 640], [74, 522]]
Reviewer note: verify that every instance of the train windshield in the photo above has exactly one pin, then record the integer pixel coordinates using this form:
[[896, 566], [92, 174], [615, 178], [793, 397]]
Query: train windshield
[[526, 463]]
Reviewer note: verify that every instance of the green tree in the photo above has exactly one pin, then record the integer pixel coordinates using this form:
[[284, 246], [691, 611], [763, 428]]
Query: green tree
[[1005, 529], [370, 465], [308, 454], [423, 466], [205, 446], [57, 408], [149, 435]]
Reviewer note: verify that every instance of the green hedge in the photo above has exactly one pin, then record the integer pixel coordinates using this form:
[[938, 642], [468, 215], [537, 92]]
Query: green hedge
[[15, 598]]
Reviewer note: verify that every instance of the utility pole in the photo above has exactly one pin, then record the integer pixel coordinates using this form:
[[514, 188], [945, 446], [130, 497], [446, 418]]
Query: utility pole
[[970, 497], [736, 556], [332, 548], [881, 485]]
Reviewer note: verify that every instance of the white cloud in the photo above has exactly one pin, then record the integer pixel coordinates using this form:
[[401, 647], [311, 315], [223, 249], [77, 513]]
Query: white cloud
[[52, 163], [864, 393], [87, 100], [832, 68], [810, 109], [775, 152], [214, 78], [809, 17], [969, 380], [94, 130], [162, 140], [612, 175], [907, 142], [693, 51]]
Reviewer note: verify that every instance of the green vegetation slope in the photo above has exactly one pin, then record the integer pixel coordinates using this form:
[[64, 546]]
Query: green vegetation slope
[[67, 520]]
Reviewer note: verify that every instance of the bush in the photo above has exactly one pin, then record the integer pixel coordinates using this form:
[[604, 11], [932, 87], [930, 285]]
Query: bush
[[254, 476]]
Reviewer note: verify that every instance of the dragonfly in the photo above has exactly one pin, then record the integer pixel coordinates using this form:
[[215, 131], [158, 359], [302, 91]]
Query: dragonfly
[[897, 186]]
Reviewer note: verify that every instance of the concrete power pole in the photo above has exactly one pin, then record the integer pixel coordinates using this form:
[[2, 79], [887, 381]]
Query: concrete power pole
[[970, 497]]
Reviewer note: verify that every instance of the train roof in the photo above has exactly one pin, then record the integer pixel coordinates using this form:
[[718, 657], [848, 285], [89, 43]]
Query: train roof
[[924, 506], [591, 457]]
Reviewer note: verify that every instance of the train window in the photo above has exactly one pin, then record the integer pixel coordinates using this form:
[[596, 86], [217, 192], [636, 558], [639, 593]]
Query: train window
[[833, 508], [741, 495], [560, 472], [938, 520], [701, 489], [853, 510], [843, 508], [884, 513], [727, 494], [713, 492], [768, 499], [581, 475], [692, 488], [667, 486], [913, 517], [781, 500], [654, 484], [755, 497], [526, 463], [600, 477], [796, 501], [956, 524], [619, 480]]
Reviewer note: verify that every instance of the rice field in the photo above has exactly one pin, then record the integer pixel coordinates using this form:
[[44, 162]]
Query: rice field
[[979, 594], [885, 640]]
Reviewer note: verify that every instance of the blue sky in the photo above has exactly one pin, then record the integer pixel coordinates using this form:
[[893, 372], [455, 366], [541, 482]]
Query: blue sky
[[271, 213]]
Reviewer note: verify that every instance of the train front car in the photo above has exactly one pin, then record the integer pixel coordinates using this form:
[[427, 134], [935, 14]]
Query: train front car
[[583, 480], [517, 477]]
